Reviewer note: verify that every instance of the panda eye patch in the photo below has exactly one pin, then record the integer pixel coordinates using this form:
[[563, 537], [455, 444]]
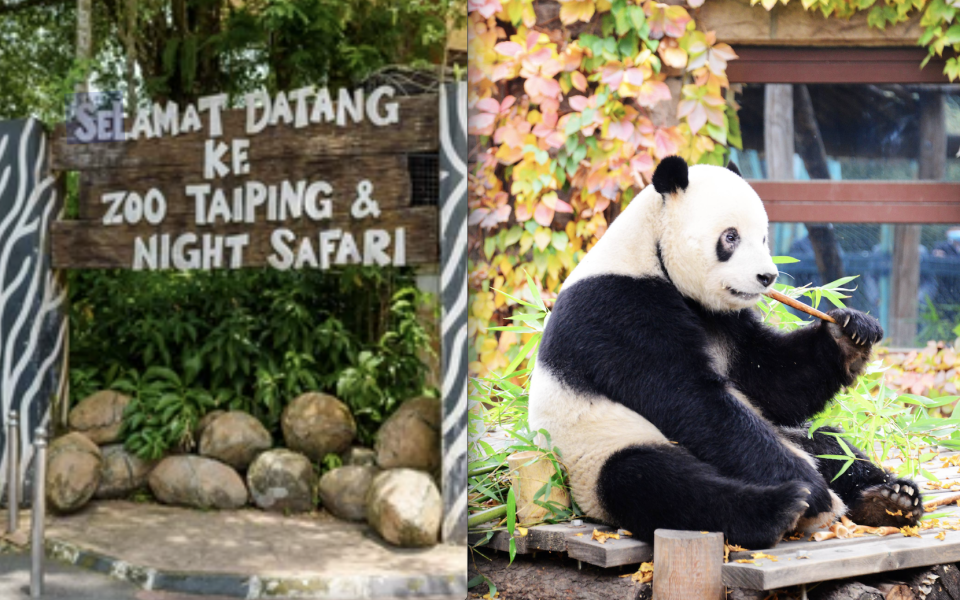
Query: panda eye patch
[[728, 242]]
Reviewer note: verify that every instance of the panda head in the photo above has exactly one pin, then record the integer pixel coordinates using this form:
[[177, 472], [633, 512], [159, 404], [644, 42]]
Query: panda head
[[713, 239]]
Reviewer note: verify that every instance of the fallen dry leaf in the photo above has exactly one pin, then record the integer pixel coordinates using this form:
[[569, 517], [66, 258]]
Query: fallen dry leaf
[[603, 536], [759, 555], [940, 536], [908, 531], [522, 530], [899, 513], [643, 575], [746, 560]]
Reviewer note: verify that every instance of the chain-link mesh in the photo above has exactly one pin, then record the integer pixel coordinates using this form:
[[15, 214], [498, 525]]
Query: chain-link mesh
[[866, 250]]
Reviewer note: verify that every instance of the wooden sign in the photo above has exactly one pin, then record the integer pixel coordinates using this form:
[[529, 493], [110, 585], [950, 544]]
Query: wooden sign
[[305, 179]]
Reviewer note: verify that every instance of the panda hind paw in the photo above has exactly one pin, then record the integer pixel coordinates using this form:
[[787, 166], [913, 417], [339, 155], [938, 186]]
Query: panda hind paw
[[893, 504]]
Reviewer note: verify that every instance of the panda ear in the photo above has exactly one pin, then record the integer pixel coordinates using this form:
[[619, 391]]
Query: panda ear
[[671, 176], [733, 167]]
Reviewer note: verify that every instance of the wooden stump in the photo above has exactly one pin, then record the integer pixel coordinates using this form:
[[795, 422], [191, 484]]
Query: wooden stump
[[687, 565], [527, 479]]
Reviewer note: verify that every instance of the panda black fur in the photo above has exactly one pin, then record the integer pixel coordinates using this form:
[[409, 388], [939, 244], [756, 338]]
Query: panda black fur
[[672, 404]]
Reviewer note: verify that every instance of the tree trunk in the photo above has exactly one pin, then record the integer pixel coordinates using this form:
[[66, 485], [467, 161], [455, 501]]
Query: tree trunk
[[826, 249], [84, 37]]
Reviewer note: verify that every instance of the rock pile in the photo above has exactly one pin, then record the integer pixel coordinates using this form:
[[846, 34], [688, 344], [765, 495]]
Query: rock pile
[[391, 486]]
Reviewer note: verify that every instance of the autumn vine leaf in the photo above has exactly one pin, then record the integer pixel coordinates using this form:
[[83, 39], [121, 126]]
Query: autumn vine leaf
[[562, 106]]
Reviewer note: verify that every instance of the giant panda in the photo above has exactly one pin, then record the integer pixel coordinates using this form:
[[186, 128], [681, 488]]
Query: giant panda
[[672, 405]]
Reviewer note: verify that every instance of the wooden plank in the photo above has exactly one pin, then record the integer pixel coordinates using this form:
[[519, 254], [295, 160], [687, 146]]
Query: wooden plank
[[388, 173], [860, 201], [612, 553], [416, 131], [82, 244], [740, 24], [850, 560]]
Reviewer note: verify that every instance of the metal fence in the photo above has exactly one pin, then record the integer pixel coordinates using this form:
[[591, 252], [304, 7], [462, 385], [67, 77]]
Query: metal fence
[[866, 252]]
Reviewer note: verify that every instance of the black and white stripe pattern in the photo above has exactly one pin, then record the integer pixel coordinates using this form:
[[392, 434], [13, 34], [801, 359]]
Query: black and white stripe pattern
[[453, 291], [33, 329]]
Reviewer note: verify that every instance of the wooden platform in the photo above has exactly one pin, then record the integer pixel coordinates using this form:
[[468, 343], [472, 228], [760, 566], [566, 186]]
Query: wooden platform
[[793, 562]]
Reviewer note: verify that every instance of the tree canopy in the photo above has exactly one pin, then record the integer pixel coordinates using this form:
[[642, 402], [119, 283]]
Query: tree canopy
[[182, 49]]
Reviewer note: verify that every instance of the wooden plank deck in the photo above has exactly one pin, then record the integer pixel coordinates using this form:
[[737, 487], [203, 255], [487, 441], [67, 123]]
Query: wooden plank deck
[[794, 562]]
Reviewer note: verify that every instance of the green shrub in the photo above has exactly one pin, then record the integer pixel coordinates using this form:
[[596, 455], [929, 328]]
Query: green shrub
[[182, 344]]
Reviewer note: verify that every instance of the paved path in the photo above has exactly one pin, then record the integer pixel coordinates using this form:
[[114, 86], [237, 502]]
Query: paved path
[[73, 583], [237, 554]]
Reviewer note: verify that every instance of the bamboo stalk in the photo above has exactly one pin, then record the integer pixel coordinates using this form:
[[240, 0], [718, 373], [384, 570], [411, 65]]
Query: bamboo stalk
[[497, 512], [941, 501], [799, 305]]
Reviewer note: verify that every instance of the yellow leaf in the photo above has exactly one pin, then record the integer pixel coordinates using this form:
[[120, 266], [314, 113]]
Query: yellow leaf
[[908, 531], [573, 11], [542, 238], [603, 536], [745, 560], [759, 555], [522, 530], [940, 536]]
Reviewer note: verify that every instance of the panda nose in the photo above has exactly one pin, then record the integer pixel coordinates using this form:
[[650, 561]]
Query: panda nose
[[766, 279]]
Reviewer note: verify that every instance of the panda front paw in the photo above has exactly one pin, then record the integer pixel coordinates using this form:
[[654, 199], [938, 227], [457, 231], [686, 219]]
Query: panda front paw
[[855, 333], [860, 327]]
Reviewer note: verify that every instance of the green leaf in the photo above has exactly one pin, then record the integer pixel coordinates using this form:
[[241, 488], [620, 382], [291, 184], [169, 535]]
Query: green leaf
[[784, 260], [534, 291], [843, 469]]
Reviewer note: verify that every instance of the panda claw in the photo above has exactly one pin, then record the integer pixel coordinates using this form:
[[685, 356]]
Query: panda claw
[[804, 504], [847, 321], [908, 490], [896, 487], [916, 501]]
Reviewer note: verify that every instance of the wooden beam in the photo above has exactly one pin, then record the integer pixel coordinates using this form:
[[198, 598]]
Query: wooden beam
[[387, 172], [82, 244], [740, 24], [834, 65], [417, 131], [860, 201], [795, 566]]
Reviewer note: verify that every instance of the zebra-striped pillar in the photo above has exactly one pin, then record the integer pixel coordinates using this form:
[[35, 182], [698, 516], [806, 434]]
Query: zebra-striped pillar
[[32, 324], [453, 293]]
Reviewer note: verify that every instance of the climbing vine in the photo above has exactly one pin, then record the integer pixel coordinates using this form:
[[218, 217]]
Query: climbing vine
[[572, 107]]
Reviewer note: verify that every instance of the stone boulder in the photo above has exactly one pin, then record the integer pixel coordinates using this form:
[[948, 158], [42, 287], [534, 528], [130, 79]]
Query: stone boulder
[[198, 482], [404, 507], [204, 422], [343, 491], [360, 456], [282, 480], [235, 438], [100, 416], [318, 424], [410, 438], [73, 472], [121, 472]]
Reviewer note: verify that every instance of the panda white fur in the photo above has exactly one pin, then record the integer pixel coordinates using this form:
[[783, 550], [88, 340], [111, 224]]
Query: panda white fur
[[672, 405]]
